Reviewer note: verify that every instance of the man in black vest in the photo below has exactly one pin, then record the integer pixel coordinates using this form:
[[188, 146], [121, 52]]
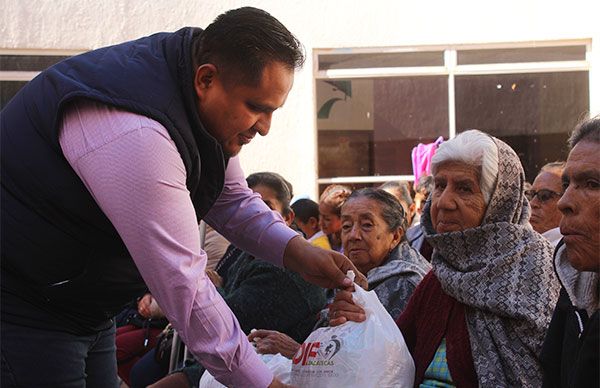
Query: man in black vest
[[109, 160]]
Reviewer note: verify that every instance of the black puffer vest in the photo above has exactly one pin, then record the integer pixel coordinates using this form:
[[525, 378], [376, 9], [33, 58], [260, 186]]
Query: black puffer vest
[[59, 251]]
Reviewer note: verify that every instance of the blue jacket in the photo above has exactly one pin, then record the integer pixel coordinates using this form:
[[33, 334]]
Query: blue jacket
[[59, 251]]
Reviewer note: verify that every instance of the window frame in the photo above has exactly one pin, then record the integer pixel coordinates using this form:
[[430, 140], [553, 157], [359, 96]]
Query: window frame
[[12, 75], [451, 69], [25, 76]]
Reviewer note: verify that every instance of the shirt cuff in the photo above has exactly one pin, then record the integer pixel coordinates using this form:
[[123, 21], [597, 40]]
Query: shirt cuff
[[252, 374]]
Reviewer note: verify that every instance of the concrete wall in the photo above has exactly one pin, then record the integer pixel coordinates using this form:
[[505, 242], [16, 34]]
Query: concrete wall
[[290, 148]]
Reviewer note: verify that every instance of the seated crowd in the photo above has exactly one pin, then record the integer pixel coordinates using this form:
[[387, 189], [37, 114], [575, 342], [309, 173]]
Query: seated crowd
[[491, 282]]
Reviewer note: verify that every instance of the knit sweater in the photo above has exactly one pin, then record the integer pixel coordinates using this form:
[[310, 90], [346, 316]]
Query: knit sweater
[[430, 316], [263, 296]]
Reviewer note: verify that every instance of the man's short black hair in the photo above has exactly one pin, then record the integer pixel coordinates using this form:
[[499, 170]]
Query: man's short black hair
[[241, 42], [588, 130], [305, 208]]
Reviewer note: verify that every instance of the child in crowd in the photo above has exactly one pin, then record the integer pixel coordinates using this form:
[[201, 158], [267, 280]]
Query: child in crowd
[[307, 220], [330, 205]]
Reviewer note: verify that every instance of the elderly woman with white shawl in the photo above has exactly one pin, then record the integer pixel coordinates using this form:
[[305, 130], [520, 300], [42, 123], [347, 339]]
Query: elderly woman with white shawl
[[479, 317]]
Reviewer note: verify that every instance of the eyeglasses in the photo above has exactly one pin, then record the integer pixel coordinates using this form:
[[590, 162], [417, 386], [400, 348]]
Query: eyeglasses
[[542, 194]]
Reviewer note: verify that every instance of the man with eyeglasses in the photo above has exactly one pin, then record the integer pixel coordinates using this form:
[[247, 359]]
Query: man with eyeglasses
[[543, 197]]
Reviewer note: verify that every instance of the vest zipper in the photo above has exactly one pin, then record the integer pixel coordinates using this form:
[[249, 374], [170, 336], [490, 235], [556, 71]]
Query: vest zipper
[[580, 322]]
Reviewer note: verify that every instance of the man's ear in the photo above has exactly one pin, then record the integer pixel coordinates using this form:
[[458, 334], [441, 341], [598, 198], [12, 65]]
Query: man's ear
[[412, 209], [397, 237], [204, 78], [289, 217], [313, 223]]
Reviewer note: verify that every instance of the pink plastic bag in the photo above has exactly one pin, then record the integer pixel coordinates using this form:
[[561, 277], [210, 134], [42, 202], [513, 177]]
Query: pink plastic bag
[[421, 157]]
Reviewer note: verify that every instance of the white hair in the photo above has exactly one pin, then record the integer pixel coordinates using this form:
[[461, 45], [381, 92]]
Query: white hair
[[476, 149]]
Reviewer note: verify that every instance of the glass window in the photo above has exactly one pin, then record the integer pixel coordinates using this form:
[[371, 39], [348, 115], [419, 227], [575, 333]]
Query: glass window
[[528, 54], [21, 63], [28, 62], [8, 89], [378, 60], [533, 113], [369, 126]]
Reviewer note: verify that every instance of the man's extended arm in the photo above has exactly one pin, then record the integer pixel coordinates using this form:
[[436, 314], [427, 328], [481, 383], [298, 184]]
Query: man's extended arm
[[134, 172], [242, 217]]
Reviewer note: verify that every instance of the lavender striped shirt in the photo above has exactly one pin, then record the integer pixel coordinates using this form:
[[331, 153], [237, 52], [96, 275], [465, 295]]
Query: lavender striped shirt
[[133, 170]]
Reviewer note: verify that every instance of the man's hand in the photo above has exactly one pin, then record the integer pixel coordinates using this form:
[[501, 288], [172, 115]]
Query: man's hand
[[273, 342], [322, 267], [343, 309]]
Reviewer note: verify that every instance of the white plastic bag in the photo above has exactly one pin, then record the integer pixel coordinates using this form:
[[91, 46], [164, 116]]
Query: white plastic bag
[[278, 364], [366, 354]]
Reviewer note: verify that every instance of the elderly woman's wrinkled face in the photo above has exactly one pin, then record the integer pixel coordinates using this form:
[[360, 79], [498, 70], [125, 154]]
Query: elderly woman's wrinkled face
[[457, 201], [366, 237]]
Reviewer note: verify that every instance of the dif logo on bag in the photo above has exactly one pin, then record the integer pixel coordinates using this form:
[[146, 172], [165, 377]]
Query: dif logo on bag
[[318, 353], [368, 354]]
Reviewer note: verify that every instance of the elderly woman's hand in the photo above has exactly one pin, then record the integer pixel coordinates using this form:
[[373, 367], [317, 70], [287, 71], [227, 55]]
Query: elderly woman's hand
[[273, 342], [343, 309], [276, 383], [149, 308]]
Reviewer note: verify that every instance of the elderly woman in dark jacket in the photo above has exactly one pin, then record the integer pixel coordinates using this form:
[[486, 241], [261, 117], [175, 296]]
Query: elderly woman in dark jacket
[[373, 224], [373, 239]]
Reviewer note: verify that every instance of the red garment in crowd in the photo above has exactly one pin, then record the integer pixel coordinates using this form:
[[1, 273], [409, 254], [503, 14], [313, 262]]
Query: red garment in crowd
[[132, 345], [430, 316]]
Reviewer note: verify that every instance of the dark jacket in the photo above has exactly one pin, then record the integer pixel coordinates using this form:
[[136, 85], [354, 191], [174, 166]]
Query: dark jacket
[[263, 296], [60, 254], [571, 351]]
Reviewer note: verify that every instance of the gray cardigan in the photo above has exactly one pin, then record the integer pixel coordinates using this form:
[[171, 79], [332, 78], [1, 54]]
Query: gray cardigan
[[396, 279]]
